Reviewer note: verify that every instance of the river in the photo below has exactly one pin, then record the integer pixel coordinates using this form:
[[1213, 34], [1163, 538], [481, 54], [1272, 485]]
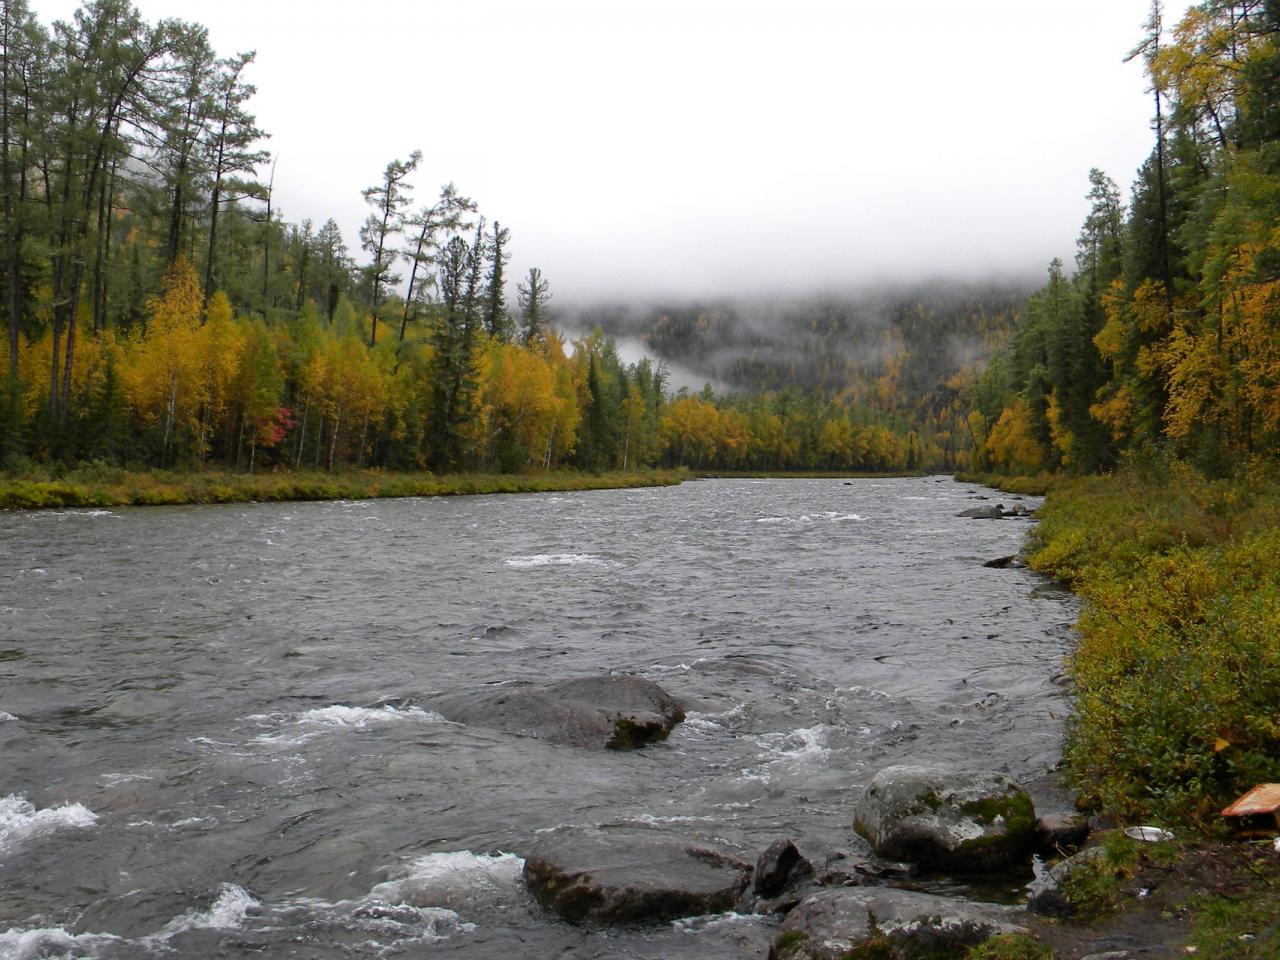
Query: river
[[217, 734]]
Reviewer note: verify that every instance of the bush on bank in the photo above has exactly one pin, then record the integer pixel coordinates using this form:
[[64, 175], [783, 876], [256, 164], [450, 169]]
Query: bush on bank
[[1178, 669]]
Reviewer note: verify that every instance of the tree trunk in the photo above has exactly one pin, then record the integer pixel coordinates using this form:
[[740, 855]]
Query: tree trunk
[[315, 464], [333, 440], [302, 434], [100, 280], [10, 208]]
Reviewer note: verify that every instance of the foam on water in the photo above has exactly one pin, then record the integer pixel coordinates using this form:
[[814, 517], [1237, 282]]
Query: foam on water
[[558, 560], [227, 912], [16, 944], [805, 747], [716, 920], [6, 717], [438, 878], [19, 819], [361, 717], [310, 724], [832, 516]]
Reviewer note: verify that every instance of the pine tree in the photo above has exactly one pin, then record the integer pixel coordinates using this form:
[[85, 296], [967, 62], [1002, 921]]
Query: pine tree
[[496, 321], [388, 198], [534, 294]]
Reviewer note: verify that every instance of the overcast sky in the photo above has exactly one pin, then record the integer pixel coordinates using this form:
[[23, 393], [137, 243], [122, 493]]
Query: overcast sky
[[706, 147]]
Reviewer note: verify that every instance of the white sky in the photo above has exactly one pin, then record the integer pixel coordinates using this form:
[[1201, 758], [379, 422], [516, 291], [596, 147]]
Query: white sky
[[658, 148]]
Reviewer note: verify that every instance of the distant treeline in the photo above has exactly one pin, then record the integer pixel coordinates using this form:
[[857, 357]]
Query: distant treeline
[[1167, 335], [161, 312]]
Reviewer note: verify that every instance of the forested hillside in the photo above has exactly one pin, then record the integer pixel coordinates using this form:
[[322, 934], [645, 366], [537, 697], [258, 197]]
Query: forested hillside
[[1167, 333], [161, 311]]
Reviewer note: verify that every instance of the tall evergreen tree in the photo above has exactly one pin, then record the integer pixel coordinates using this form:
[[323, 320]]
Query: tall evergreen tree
[[389, 199], [233, 152], [534, 293], [496, 321]]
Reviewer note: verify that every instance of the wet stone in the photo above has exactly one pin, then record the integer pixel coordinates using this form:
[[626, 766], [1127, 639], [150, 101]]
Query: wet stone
[[983, 513], [941, 818], [623, 875], [775, 867], [833, 924], [615, 713]]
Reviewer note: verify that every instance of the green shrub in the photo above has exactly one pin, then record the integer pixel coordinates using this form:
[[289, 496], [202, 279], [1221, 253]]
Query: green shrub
[[1011, 946]]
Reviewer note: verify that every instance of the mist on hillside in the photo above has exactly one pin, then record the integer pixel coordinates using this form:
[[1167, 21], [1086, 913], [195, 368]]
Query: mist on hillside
[[830, 342]]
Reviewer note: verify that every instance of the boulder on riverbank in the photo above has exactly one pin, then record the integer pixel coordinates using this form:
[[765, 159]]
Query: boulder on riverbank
[[617, 713], [776, 866], [941, 818], [889, 923], [619, 875]]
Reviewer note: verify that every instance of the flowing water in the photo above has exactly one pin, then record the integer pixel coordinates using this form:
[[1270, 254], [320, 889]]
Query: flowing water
[[217, 734]]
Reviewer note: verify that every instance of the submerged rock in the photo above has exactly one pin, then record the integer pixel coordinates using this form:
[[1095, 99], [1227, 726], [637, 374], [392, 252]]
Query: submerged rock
[[887, 923], [618, 713], [937, 817], [617, 875]]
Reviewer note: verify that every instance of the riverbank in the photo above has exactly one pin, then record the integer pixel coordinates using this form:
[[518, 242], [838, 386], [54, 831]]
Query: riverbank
[[104, 486], [1034, 486], [1176, 681]]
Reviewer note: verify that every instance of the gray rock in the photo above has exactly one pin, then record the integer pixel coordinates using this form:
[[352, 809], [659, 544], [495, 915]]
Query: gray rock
[[775, 866], [1047, 894], [618, 875], [827, 925], [617, 713], [937, 817], [983, 513], [1003, 563]]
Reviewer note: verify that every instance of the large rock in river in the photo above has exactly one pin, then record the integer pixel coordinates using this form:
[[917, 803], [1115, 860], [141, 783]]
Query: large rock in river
[[937, 817], [887, 923], [614, 712], [983, 513], [623, 874]]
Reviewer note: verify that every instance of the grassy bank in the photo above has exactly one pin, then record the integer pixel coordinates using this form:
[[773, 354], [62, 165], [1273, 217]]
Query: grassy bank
[[1177, 674], [1034, 486], [1177, 700], [102, 486]]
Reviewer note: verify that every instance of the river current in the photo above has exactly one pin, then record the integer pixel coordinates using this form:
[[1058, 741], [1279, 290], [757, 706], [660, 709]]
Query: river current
[[217, 734]]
